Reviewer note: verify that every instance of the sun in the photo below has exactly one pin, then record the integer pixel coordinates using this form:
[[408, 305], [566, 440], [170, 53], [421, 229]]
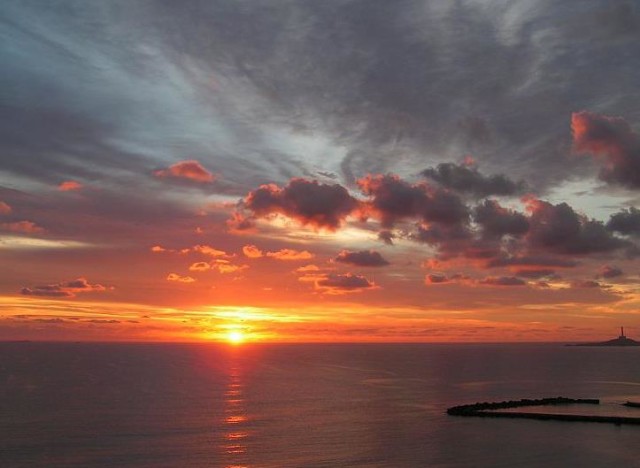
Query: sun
[[235, 337]]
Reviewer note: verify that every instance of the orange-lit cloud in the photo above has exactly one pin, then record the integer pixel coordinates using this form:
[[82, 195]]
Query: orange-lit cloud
[[69, 185], [200, 266], [209, 251], [252, 251], [225, 266], [307, 269], [187, 170], [290, 254], [180, 279]]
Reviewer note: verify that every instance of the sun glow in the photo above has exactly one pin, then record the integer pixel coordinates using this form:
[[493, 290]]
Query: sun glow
[[235, 337]]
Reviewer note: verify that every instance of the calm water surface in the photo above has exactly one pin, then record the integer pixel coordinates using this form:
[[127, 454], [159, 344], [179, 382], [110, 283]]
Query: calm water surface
[[159, 405]]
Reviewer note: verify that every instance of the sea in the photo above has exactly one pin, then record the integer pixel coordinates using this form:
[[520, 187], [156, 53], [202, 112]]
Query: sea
[[306, 405]]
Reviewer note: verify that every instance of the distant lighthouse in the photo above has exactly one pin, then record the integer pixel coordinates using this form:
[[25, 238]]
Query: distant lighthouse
[[622, 332]]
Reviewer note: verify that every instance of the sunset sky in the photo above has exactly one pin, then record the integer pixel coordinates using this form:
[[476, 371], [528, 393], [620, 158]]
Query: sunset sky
[[341, 170]]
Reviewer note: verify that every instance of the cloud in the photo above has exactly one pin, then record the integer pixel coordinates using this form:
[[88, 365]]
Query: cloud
[[363, 258], [307, 201], [532, 261], [585, 284], [69, 185], [158, 249], [393, 200], [433, 278], [625, 221], [503, 281], [465, 178], [386, 236], [608, 272], [252, 251], [612, 140], [559, 229], [4, 208], [343, 283], [209, 251], [225, 266], [186, 170], [535, 273], [24, 227], [307, 269], [179, 279], [64, 289], [439, 278], [497, 221], [290, 254], [200, 266]]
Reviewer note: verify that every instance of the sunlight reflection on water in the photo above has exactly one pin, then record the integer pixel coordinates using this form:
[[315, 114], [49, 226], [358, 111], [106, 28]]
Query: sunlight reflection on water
[[234, 445]]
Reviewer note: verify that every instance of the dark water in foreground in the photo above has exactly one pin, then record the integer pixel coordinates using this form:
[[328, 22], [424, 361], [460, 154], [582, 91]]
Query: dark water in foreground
[[141, 405]]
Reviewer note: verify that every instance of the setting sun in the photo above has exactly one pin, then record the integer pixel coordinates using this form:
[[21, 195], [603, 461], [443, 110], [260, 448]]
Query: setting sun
[[235, 337]]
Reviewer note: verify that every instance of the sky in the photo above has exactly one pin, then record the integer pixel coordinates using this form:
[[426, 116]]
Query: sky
[[302, 171]]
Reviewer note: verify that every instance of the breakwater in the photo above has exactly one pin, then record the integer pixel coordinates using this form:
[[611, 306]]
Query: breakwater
[[487, 410]]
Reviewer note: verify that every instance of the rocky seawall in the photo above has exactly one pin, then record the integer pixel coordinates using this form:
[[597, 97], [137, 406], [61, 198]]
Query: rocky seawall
[[487, 410]]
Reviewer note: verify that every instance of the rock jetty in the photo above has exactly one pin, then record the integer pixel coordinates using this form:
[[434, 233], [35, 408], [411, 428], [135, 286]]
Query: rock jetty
[[487, 410]]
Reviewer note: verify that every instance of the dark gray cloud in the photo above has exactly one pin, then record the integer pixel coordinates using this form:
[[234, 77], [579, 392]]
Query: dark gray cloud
[[532, 261], [87, 91], [364, 258], [346, 282], [608, 271], [535, 273], [464, 178], [558, 228], [626, 221], [64, 289], [613, 140], [433, 278], [497, 221], [307, 201], [503, 281], [393, 199]]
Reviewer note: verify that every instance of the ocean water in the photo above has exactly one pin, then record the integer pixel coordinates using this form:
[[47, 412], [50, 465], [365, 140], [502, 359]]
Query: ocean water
[[338, 405]]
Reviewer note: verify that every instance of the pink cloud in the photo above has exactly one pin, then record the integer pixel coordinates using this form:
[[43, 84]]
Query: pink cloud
[[24, 227], [613, 141], [69, 185], [188, 170], [4, 208]]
